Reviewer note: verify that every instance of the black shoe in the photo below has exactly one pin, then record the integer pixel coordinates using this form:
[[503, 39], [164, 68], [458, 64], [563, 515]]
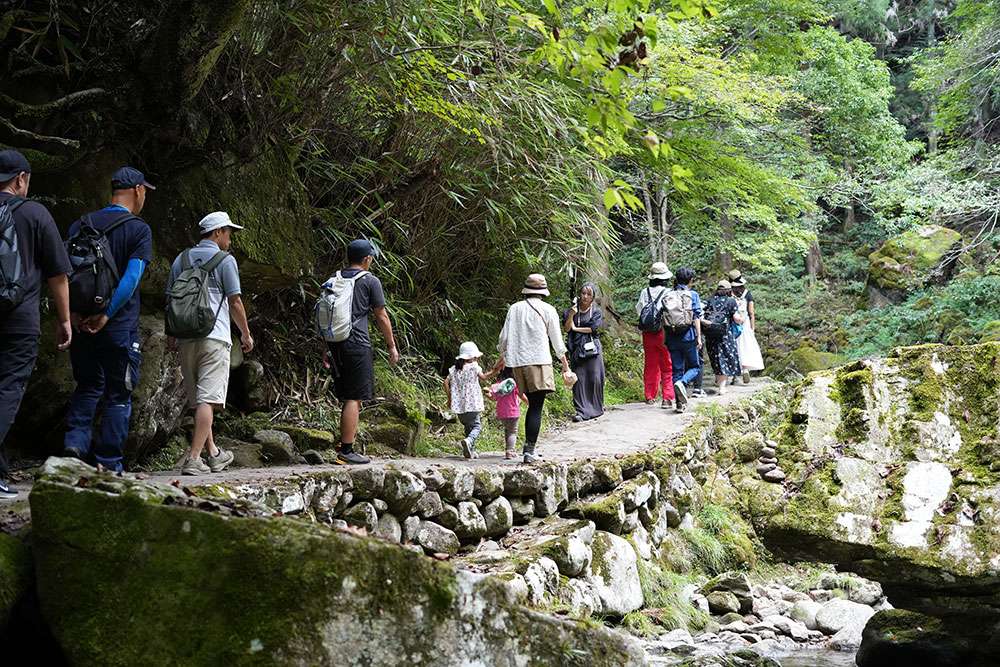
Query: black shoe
[[352, 458], [578, 418], [7, 493]]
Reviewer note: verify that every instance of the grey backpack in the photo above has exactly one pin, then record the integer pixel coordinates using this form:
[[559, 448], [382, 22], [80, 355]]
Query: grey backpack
[[189, 304], [13, 283]]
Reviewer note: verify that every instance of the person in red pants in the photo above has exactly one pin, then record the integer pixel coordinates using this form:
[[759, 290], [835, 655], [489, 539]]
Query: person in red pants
[[657, 372]]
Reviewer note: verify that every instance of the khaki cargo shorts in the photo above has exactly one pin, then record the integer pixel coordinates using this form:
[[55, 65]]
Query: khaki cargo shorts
[[205, 367], [530, 379]]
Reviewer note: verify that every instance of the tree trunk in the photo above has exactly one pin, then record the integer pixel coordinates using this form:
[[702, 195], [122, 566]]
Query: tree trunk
[[814, 262], [666, 221], [850, 217], [724, 256], [651, 230]]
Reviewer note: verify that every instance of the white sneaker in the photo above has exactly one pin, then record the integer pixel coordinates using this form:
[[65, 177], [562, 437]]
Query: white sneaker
[[195, 467]]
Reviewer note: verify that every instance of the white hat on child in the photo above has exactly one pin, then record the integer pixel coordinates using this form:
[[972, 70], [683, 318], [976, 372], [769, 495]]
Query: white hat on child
[[468, 350]]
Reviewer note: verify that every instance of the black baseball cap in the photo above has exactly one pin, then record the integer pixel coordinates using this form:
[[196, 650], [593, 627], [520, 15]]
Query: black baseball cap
[[12, 163], [127, 178], [358, 249]]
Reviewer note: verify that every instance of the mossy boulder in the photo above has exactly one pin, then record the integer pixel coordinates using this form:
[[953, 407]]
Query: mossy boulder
[[309, 438], [15, 575], [990, 332], [893, 474], [805, 360], [910, 260], [280, 591], [900, 637]]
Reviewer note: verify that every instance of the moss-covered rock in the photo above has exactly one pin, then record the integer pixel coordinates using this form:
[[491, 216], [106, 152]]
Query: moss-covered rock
[[15, 575], [901, 637], [892, 468], [905, 262], [807, 359], [305, 594]]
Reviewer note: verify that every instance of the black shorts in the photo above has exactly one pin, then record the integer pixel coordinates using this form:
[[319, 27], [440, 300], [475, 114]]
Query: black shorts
[[353, 372]]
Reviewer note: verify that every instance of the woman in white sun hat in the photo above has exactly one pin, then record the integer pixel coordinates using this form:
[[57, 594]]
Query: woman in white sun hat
[[657, 372], [531, 327], [465, 394]]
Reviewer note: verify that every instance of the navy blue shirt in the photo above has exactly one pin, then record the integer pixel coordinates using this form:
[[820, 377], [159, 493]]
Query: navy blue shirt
[[134, 239]]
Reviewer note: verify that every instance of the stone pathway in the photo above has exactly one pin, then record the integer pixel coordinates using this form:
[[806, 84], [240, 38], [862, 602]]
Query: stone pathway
[[623, 429]]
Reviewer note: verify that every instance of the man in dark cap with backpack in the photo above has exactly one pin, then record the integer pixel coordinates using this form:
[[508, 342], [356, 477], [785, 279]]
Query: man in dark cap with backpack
[[349, 298], [30, 250], [110, 250]]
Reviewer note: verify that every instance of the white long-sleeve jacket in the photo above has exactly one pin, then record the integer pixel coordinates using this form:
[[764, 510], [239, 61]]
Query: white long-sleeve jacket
[[530, 328]]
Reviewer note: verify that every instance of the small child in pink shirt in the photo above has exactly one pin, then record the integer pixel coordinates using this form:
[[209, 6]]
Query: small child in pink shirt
[[508, 399]]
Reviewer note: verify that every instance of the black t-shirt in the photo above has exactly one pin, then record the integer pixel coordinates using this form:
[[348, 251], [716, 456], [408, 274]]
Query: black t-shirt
[[43, 256], [131, 240], [368, 296]]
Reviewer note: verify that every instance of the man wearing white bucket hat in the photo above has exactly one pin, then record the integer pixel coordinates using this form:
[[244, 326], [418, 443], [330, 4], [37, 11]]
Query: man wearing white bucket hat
[[205, 358]]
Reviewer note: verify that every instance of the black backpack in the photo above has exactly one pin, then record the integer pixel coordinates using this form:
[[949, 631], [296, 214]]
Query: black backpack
[[651, 316], [12, 282], [95, 272], [717, 316]]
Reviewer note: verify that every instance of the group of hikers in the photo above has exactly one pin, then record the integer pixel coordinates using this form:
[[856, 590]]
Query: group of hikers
[[676, 326], [94, 275]]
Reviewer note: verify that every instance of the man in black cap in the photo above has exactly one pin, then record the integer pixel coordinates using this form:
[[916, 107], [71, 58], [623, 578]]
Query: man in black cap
[[106, 351], [30, 250], [352, 361]]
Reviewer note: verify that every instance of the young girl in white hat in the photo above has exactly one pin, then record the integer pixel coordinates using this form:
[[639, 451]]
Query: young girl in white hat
[[465, 394]]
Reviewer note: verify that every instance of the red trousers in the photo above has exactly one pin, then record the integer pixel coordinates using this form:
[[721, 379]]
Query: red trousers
[[658, 371]]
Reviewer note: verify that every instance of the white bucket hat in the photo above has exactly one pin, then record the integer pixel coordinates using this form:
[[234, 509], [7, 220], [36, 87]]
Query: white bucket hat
[[468, 350], [536, 284], [216, 220], [659, 271]]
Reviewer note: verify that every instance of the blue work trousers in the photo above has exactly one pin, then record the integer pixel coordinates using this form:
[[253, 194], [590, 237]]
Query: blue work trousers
[[685, 360], [105, 365]]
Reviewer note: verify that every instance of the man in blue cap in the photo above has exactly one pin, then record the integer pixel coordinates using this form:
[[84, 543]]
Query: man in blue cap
[[106, 352], [352, 361], [30, 250]]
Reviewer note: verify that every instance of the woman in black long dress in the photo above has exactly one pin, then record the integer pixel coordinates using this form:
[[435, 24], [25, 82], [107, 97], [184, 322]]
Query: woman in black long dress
[[721, 312], [584, 322]]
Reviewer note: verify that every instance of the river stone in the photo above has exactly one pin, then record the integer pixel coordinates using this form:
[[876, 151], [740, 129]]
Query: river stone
[[639, 490], [470, 525], [615, 574], [367, 482], [581, 597], [839, 614], [245, 454], [579, 478], [448, 517], [324, 501], [640, 540], [900, 637], [346, 500], [765, 460], [523, 510], [523, 481], [768, 452], [313, 457], [722, 602], [402, 490], [388, 528], [437, 539], [857, 589], [542, 577], [429, 505], [736, 583], [276, 447], [553, 493], [459, 484], [499, 517], [804, 611], [774, 476], [488, 484], [570, 554], [607, 475], [517, 588], [789, 627], [607, 513], [410, 527], [381, 506], [362, 515], [433, 479]]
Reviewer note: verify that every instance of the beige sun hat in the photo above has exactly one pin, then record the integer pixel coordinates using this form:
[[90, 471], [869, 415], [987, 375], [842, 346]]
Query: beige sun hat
[[659, 271], [725, 284], [536, 284], [735, 274]]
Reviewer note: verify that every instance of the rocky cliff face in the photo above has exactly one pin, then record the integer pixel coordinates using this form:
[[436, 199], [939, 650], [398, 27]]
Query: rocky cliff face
[[214, 583], [893, 472]]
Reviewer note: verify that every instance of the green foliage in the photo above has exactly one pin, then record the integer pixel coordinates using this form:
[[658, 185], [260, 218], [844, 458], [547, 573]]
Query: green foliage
[[665, 605], [720, 541], [957, 313]]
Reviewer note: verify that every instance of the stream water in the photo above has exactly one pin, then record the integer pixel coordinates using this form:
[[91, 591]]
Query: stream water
[[818, 657]]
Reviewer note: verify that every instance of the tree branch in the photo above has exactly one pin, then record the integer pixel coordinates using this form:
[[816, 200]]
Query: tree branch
[[38, 138], [22, 109]]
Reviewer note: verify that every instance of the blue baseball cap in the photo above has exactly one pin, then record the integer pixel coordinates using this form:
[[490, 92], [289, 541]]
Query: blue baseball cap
[[358, 249], [127, 178], [12, 163]]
